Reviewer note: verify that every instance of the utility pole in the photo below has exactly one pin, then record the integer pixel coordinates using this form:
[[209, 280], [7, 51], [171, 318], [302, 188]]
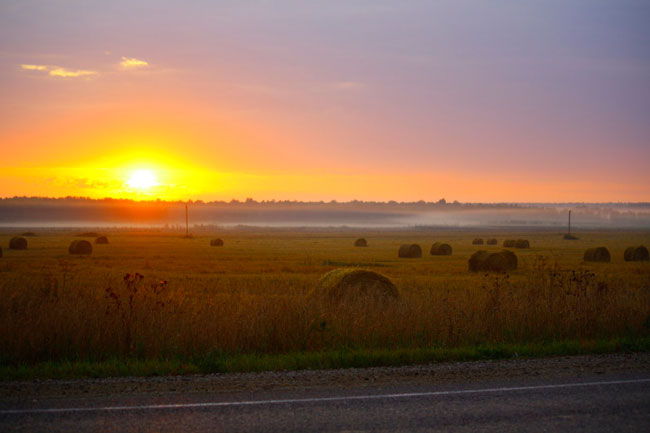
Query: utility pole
[[568, 236]]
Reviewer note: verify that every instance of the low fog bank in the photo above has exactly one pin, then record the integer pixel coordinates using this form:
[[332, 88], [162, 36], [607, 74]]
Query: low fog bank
[[25, 212]]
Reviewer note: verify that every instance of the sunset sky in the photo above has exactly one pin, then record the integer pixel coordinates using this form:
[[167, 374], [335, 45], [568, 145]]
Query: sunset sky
[[506, 101]]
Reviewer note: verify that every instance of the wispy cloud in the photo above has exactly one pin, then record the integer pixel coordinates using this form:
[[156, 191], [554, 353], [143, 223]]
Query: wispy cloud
[[34, 67], [127, 63], [132, 62], [67, 73], [58, 71]]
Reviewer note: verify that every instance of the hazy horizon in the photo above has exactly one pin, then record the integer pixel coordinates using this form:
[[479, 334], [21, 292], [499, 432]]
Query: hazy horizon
[[53, 213]]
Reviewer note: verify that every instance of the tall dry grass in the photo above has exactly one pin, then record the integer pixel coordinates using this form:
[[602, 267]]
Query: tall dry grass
[[66, 318]]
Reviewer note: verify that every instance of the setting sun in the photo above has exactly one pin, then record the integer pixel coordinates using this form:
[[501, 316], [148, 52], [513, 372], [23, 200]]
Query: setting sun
[[142, 180]]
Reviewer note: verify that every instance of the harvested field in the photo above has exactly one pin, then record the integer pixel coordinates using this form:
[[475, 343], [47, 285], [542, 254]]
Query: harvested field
[[152, 294]]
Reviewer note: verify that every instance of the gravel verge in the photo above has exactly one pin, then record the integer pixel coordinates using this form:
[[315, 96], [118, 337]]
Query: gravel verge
[[440, 373]]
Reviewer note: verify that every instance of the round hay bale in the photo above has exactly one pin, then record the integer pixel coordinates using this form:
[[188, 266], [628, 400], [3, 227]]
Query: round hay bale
[[509, 243], [570, 237], [477, 241], [28, 234], [361, 242], [18, 243], [636, 254], [80, 247], [341, 285], [482, 261], [491, 241], [599, 254], [216, 242], [101, 240], [440, 249], [410, 251], [522, 243]]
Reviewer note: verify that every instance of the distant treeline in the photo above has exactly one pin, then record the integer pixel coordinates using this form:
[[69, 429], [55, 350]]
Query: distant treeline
[[250, 201]]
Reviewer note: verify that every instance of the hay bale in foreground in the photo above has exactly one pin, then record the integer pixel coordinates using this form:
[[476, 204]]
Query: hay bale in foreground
[[80, 247], [361, 242], [491, 241], [570, 237], [18, 243], [636, 254], [440, 249], [522, 243], [216, 242], [410, 251], [599, 254], [101, 240], [509, 243], [477, 241], [342, 285], [28, 234], [482, 261]]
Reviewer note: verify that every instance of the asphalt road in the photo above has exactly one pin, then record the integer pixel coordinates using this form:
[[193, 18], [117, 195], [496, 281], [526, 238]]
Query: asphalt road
[[593, 402]]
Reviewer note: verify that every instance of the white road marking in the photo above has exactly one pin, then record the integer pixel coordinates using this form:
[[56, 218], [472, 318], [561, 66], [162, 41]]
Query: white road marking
[[317, 399]]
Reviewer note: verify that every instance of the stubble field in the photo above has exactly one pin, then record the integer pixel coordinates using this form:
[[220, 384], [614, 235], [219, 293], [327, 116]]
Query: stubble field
[[155, 297]]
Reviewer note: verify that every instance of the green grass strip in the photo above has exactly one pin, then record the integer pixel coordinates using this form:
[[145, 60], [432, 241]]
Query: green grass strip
[[347, 358]]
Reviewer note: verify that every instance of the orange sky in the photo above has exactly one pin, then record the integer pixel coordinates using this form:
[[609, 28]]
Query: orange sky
[[370, 101]]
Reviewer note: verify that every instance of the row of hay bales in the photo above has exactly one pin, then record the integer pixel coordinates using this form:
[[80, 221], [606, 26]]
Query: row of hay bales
[[440, 248], [600, 254], [479, 261], [78, 246], [346, 286], [631, 254], [412, 251], [443, 249]]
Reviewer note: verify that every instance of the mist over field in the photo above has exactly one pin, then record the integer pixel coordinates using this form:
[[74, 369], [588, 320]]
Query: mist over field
[[26, 212]]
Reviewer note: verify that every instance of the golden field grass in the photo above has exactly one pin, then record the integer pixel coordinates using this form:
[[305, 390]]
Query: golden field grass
[[251, 295]]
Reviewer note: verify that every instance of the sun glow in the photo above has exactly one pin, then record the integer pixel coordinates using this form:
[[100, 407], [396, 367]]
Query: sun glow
[[142, 180]]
